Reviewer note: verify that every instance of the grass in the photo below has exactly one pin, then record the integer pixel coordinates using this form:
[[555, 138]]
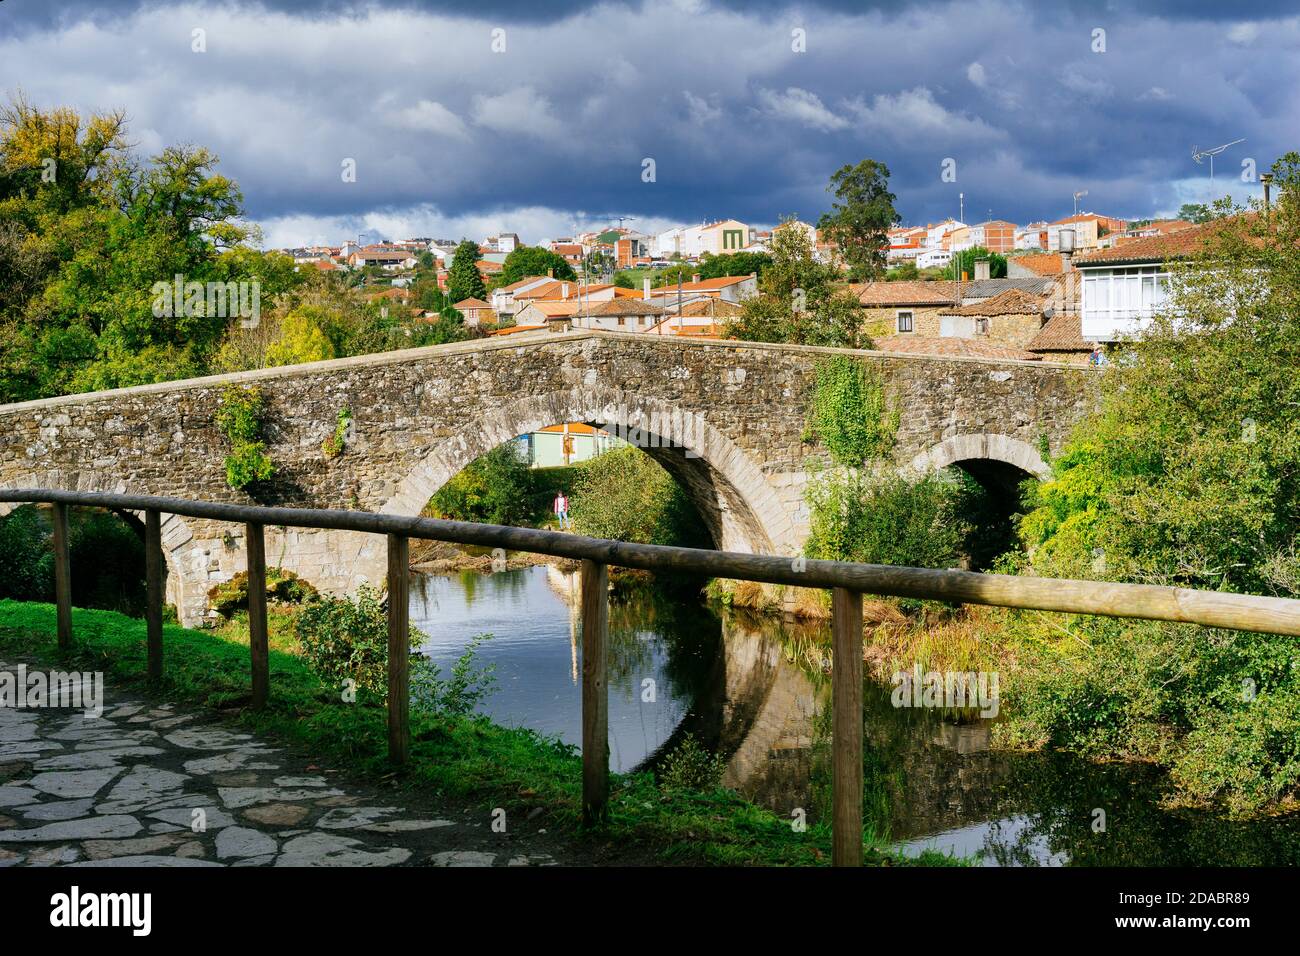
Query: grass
[[468, 759]]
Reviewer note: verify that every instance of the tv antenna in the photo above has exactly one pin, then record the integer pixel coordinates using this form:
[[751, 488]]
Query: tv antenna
[[1200, 154], [1077, 196], [622, 219]]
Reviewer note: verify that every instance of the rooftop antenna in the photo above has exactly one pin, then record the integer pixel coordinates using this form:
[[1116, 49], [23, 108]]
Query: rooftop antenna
[[1200, 154], [1077, 196]]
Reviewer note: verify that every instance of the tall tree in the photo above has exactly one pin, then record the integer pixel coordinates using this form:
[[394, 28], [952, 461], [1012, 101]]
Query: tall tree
[[464, 281], [535, 261], [861, 217]]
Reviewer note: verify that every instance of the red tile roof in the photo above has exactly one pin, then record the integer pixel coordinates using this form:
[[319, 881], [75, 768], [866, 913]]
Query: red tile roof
[[1173, 245], [913, 292], [1010, 302], [1062, 333], [1045, 264], [951, 347]]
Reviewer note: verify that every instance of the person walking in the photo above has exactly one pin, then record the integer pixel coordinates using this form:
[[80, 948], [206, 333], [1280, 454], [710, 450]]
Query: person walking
[[562, 509]]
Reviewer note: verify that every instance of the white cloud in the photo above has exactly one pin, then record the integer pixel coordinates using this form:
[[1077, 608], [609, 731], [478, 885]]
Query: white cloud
[[915, 113], [802, 107], [975, 73], [699, 110], [521, 111], [430, 117]]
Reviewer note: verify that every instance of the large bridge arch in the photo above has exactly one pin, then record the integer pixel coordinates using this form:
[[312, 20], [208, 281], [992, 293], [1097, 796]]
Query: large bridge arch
[[740, 507], [982, 447]]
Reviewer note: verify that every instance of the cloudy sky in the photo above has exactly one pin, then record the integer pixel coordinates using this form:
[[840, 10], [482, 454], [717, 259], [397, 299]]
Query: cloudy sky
[[465, 118]]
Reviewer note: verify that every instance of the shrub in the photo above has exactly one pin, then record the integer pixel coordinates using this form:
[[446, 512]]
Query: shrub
[[495, 488], [459, 694], [689, 766], [623, 494], [343, 639], [26, 558], [239, 416], [849, 414], [281, 585], [887, 520], [332, 447]]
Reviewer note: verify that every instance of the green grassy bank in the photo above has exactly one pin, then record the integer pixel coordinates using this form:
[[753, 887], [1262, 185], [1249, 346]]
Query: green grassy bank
[[467, 759]]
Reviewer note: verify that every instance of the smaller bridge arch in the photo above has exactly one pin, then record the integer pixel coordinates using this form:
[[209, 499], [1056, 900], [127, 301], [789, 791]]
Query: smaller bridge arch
[[982, 447]]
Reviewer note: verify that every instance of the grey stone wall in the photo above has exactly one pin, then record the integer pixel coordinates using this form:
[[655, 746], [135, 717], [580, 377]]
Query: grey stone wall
[[419, 416]]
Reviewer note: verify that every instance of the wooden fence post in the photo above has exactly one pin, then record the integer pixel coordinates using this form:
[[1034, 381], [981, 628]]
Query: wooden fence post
[[399, 648], [846, 742], [62, 578], [153, 601], [595, 692], [259, 655]]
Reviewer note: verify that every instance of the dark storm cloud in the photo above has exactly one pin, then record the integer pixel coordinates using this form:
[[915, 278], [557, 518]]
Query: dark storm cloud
[[735, 121]]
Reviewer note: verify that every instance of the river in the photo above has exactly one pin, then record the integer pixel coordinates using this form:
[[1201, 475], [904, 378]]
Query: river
[[751, 690]]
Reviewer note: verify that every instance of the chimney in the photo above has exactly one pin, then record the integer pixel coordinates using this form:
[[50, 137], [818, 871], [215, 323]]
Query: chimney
[[982, 267], [550, 273], [1267, 180], [564, 290], [695, 277], [645, 288]]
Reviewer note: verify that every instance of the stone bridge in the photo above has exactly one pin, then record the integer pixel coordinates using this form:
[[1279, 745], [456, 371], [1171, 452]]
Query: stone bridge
[[726, 418]]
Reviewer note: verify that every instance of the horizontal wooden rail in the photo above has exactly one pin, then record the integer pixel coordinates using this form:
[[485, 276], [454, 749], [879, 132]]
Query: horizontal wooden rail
[[847, 582], [1145, 601]]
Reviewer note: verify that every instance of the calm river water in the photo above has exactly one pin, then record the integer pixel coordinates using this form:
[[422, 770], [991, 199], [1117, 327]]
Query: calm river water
[[751, 690]]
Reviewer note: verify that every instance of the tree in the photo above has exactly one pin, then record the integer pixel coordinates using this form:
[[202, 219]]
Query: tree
[[964, 262], [734, 264], [861, 217], [1190, 471], [464, 281], [535, 261], [1197, 212]]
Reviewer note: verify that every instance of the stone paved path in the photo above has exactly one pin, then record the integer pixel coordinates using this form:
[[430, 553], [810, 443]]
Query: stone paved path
[[150, 785]]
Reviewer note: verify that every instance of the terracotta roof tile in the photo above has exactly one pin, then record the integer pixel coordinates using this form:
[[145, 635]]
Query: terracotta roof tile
[[1062, 333], [915, 292], [951, 347], [1010, 302]]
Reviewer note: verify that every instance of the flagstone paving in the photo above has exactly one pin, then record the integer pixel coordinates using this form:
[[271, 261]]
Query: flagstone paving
[[149, 784]]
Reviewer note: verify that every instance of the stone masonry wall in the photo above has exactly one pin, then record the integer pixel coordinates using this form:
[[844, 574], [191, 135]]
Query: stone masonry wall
[[419, 416]]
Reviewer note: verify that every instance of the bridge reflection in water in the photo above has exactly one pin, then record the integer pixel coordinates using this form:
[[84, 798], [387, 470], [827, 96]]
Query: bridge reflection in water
[[753, 690]]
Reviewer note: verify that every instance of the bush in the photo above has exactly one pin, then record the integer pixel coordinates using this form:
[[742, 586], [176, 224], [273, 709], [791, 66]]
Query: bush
[[26, 556], [239, 416], [344, 640], [887, 519], [688, 766], [496, 488], [460, 694], [623, 494], [281, 585]]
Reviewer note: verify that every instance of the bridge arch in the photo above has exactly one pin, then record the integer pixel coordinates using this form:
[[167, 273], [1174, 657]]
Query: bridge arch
[[731, 493], [959, 449]]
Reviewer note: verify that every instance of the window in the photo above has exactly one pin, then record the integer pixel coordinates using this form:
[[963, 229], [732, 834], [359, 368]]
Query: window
[[905, 321]]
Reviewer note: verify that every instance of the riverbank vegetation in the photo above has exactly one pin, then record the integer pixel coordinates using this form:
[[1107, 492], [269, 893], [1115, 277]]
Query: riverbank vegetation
[[456, 758]]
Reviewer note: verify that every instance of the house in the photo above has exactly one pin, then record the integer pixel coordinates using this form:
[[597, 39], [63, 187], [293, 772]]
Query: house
[[703, 318], [570, 252], [503, 298], [1061, 340], [475, 312], [567, 444], [905, 243], [390, 260], [540, 312], [718, 238], [1127, 284], [505, 243], [1032, 236], [618, 315], [1088, 228], [727, 288], [953, 348], [933, 258], [904, 308], [995, 235], [1011, 318], [1035, 264]]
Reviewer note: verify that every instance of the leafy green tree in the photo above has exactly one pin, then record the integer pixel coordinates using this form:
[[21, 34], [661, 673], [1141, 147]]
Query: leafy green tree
[[1197, 212], [464, 281], [861, 217], [964, 263], [734, 264], [301, 340], [1190, 471], [495, 488], [623, 494], [535, 261]]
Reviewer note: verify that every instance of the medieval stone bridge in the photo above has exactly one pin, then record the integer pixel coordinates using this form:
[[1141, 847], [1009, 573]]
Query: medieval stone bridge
[[726, 418]]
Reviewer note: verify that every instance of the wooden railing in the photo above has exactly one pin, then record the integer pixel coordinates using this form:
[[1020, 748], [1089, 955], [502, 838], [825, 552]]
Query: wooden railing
[[847, 582]]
